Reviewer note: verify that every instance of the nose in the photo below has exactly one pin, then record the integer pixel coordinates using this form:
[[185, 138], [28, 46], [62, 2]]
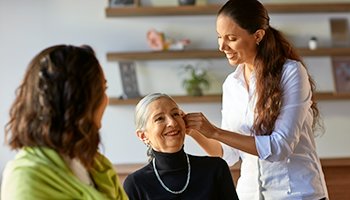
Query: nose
[[222, 45], [171, 122]]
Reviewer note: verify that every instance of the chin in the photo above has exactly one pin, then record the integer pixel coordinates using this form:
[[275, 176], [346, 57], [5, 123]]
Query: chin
[[233, 62], [176, 148]]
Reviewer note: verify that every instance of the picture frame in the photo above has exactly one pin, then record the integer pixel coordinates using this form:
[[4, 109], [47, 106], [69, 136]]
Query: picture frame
[[340, 32], [129, 80], [123, 3], [341, 74]]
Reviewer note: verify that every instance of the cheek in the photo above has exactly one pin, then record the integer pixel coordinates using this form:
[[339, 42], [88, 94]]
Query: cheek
[[239, 46], [245, 49], [154, 132], [105, 101], [182, 124]]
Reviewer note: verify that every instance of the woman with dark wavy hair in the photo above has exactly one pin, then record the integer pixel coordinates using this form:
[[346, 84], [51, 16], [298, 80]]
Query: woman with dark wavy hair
[[54, 124], [269, 113]]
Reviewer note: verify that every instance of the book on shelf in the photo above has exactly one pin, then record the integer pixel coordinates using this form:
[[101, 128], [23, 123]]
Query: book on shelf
[[129, 80], [123, 3], [340, 32], [341, 72]]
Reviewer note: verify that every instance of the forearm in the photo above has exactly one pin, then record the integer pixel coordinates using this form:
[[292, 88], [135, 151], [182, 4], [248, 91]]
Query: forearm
[[212, 147], [209, 136], [238, 141]]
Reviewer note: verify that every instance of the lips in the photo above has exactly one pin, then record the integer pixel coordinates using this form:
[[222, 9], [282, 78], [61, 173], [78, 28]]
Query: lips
[[230, 55], [172, 133]]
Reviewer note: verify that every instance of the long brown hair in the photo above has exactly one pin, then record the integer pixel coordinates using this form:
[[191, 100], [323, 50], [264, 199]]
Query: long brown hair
[[56, 103], [272, 52]]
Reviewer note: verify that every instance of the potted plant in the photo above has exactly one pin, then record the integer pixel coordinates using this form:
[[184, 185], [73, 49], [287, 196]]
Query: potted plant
[[196, 82]]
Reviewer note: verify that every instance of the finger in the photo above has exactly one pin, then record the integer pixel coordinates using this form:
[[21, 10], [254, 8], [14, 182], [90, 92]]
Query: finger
[[193, 117]]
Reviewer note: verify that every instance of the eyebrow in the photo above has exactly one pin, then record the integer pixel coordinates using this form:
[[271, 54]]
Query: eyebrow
[[161, 113]]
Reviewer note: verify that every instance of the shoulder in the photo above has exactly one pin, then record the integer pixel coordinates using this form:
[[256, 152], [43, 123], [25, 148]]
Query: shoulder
[[293, 67], [294, 71], [24, 179], [208, 162], [139, 175], [135, 182], [214, 169], [34, 161]]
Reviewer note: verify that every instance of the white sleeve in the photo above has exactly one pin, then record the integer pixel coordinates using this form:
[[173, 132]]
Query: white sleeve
[[230, 154], [295, 118]]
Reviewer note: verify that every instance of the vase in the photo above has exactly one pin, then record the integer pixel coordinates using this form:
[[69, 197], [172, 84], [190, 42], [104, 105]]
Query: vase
[[194, 91], [186, 2], [160, 3]]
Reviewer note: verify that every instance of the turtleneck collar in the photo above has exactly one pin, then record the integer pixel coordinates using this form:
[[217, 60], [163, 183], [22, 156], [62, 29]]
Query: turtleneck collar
[[175, 160]]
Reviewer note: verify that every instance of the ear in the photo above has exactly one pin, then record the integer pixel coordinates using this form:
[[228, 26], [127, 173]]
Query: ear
[[142, 136], [182, 113], [259, 35]]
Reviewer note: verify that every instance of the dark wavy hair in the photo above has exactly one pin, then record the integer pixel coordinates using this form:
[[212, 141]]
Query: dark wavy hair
[[272, 52], [56, 103]]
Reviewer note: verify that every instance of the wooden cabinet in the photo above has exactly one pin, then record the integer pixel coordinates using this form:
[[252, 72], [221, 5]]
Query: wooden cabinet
[[138, 11]]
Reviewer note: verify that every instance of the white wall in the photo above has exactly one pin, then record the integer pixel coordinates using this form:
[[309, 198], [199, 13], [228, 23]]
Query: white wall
[[28, 26]]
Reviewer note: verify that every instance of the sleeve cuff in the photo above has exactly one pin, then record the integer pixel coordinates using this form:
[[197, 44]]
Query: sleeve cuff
[[263, 146]]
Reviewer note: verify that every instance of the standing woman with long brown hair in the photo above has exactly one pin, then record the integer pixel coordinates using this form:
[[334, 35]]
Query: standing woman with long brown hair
[[269, 113]]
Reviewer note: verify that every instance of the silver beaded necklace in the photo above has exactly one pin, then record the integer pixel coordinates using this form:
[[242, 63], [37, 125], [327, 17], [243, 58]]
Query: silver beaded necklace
[[164, 186]]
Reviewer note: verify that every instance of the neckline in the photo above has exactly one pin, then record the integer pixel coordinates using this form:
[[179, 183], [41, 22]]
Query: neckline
[[163, 184], [171, 161]]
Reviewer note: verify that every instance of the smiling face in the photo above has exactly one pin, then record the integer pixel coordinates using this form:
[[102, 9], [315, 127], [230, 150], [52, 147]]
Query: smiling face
[[238, 45], [165, 128]]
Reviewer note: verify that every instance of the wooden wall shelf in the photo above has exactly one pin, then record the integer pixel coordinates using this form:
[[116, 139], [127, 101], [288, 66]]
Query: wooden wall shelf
[[325, 51], [324, 96], [205, 54], [210, 9], [164, 55], [178, 99]]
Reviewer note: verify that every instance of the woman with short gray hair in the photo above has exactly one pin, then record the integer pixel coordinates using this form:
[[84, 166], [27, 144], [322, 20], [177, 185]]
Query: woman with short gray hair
[[171, 172]]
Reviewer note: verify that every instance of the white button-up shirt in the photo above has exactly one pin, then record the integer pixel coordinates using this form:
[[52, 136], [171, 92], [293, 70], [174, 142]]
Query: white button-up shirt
[[287, 166]]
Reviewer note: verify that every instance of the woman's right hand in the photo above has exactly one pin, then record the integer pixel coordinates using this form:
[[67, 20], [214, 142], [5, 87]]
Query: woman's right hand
[[201, 130], [197, 123]]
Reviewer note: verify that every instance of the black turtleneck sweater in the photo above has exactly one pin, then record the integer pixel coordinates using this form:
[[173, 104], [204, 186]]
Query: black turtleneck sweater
[[210, 179]]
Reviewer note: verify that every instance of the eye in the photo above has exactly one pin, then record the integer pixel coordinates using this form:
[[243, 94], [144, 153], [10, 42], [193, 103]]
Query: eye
[[159, 119], [176, 114], [232, 39]]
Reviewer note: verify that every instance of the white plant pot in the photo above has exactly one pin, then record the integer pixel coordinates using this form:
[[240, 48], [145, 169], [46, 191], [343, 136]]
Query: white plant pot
[[164, 3]]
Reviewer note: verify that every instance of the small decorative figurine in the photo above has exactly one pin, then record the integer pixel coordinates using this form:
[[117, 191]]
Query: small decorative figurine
[[159, 42], [313, 43]]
